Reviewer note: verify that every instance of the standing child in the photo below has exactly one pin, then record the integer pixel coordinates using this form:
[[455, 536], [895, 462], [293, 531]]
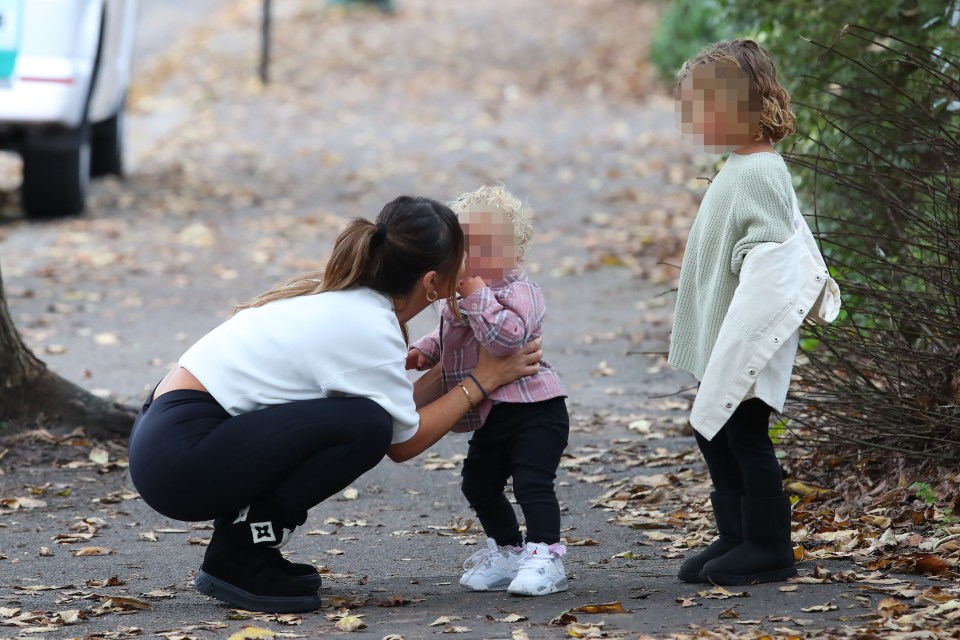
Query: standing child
[[751, 274], [525, 423]]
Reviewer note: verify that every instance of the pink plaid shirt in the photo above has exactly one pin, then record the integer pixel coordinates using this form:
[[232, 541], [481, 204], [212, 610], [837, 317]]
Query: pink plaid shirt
[[502, 318]]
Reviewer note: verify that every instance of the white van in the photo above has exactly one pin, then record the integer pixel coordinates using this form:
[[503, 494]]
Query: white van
[[64, 74]]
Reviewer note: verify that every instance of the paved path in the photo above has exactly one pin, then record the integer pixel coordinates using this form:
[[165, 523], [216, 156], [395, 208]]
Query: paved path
[[236, 186]]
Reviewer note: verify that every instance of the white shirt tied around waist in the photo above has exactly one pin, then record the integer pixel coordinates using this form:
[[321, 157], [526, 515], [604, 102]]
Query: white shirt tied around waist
[[781, 285], [328, 345]]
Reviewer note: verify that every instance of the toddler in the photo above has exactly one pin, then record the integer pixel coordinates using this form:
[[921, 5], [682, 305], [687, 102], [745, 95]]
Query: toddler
[[521, 429]]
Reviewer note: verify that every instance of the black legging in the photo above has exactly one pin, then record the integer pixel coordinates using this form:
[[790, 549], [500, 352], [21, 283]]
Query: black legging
[[523, 440], [190, 460], [741, 457]]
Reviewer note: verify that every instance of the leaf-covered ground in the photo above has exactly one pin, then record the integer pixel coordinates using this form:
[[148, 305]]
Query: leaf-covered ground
[[237, 185]]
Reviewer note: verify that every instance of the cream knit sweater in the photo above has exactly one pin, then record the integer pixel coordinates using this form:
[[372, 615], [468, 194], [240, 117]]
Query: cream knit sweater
[[748, 203]]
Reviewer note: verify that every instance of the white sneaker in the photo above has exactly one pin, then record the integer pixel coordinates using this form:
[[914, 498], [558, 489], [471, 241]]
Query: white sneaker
[[541, 571], [492, 568]]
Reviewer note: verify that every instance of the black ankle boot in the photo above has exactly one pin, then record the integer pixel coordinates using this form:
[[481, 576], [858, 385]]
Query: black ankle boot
[[766, 554], [304, 573], [726, 512], [242, 567]]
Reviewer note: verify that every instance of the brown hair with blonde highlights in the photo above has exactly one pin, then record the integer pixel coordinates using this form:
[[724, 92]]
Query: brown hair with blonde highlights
[[777, 120], [410, 237]]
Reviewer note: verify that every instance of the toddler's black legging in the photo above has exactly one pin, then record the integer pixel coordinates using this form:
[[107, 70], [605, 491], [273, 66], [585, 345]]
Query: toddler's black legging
[[190, 460], [523, 440], [741, 457]]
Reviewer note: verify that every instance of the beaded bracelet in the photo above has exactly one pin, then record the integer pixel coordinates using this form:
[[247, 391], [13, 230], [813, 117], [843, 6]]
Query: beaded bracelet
[[479, 386]]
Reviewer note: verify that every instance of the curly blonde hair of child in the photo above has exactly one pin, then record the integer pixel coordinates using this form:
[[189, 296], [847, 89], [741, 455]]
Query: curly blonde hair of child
[[502, 200], [777, 120]]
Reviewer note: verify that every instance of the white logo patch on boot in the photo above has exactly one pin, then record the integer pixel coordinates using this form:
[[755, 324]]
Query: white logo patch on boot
[[262, 532], [242, 516]]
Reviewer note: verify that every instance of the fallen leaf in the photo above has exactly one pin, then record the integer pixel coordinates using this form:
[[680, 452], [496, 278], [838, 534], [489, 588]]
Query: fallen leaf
[[577, 630], [92, 551], [394, 601], [252, 633], [609, 607], [350, 623], [513, 617]]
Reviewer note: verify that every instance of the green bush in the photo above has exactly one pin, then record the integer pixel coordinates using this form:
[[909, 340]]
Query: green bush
[[685, 27], [876, 158]]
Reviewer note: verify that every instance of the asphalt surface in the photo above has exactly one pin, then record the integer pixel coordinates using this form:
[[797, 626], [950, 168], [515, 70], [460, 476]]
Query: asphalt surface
[[109, 300]]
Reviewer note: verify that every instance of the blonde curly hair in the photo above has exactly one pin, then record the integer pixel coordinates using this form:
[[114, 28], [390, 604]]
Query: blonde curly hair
[[499, 198], [777, 120]]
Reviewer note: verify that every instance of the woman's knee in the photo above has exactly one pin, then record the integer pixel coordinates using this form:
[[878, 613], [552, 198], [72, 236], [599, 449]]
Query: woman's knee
[[371, 428]]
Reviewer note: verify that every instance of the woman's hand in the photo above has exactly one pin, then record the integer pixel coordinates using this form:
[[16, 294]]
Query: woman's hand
[[493, 371], [438, 417]]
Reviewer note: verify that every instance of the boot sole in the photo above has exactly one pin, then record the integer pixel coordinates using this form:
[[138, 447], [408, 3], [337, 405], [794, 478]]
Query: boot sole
[[217, 588], [693, 578], [778, 575], [308, 581]]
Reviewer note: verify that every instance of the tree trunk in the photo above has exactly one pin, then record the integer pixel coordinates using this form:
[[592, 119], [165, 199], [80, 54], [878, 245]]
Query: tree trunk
[[32, 396]]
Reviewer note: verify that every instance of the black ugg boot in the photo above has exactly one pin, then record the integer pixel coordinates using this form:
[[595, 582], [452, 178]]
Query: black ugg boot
[[766, 554], [726, 512], [304, 573], [242, 566]]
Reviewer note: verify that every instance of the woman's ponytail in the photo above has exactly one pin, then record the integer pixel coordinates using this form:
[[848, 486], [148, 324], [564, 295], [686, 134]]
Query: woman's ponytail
[[410, 237], [352, 260]]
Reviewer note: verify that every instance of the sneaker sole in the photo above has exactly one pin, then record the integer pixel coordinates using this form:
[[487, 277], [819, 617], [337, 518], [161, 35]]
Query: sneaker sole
[[217, 588], [502, 586], [553, 588]]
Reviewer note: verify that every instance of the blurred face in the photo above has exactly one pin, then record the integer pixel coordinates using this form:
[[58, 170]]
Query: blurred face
[[717, 107], [491, 243]]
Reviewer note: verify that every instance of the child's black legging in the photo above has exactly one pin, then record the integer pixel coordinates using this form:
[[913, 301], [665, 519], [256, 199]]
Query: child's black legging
[[190, 460], [523, 440], [741, 457]]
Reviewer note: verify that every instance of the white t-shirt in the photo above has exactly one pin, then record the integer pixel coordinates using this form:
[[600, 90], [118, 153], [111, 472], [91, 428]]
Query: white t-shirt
[[328, 345]]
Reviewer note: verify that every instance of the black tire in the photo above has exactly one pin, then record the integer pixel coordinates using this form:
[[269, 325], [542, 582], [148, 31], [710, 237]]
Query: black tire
[[56, 173], [106, 155]]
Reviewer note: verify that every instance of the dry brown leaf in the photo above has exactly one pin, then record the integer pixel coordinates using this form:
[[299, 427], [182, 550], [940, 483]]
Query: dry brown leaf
[[577, 630], [607, 607], [92, 551], [394, 601], [252, 633]]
